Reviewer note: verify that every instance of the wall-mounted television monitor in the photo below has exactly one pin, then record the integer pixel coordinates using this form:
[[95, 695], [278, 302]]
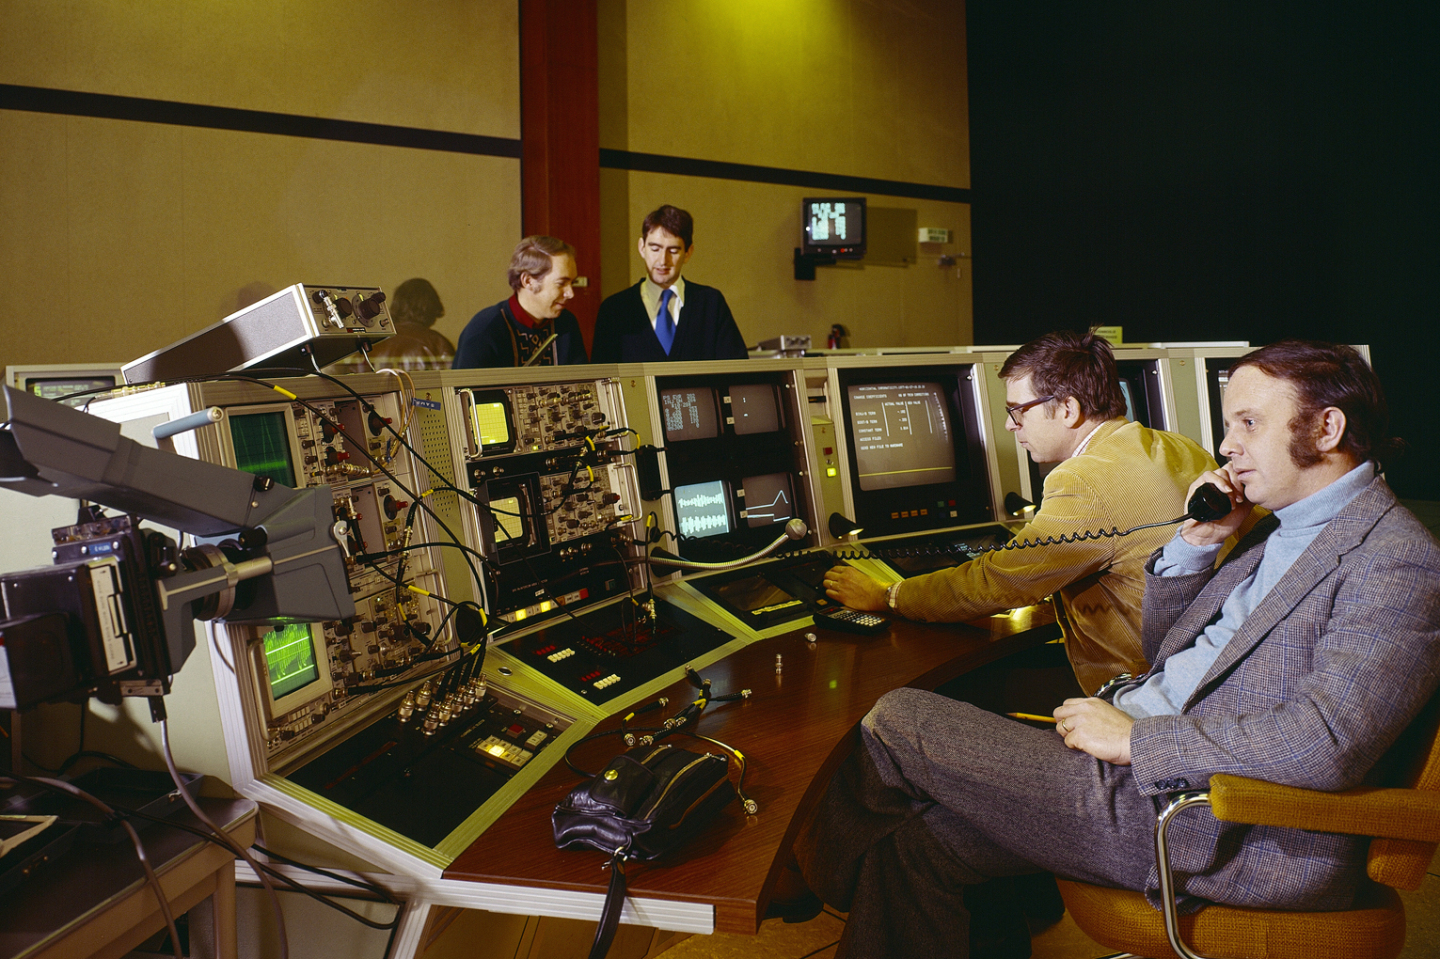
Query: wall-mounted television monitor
[[833, 226], [734, 456], [914, 448]]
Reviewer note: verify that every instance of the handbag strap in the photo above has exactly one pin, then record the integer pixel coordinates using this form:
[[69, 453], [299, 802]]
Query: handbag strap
[[614, 903]]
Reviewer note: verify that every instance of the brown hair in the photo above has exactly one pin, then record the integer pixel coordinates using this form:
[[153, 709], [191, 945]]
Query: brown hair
[[532, 258], [1065, 364], [415, 301], [1325, 375], [671, 219]]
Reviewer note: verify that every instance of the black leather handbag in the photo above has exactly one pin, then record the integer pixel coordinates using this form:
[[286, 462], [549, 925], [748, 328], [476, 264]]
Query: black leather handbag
[[640, 806]]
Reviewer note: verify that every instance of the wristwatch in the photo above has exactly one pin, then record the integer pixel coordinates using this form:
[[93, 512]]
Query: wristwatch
[[891, 593]]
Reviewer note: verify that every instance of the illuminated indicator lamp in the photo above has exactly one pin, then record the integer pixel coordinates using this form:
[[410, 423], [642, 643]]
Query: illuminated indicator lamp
[[496, 750], [831, 471]]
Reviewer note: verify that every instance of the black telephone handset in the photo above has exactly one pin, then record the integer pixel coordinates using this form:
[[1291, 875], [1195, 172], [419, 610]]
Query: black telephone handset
[[1208, 504]]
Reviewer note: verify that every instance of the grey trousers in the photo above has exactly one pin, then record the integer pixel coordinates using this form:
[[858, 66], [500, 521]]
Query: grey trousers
[[939, 795]]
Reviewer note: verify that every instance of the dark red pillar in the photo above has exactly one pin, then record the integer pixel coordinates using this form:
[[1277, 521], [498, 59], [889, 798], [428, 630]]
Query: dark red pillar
[[560, 136]]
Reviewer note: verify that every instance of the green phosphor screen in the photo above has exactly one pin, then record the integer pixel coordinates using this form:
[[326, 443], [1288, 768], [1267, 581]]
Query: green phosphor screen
[[290, 659], [262, 446]]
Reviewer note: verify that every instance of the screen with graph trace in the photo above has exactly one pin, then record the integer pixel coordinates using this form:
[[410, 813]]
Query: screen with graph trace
[[735, 459]]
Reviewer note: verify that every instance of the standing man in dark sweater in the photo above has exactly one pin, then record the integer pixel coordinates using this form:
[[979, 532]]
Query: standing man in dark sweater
[[663, 317], [532, 328]]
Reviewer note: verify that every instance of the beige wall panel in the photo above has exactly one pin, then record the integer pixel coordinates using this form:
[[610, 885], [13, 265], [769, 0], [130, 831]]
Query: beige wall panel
[[856, 87], [745, 235], [124, 237], [34, 269], [435, 64], [122, 219]]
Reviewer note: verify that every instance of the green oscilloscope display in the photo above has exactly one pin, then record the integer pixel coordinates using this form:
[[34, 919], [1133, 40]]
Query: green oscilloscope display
[[290, 659], [262, 446]]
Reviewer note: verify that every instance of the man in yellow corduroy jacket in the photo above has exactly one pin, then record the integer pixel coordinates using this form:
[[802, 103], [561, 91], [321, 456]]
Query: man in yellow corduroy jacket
[[1063, 397]]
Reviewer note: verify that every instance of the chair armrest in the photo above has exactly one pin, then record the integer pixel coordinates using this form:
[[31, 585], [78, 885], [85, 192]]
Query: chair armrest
[[1363, 811]]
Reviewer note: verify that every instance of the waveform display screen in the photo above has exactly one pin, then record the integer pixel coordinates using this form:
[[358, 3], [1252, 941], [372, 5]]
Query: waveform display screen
[[262, 445], [902, 434], [690, 414], [492, 423], [768, 499], [703, 509], [754, 408], [509, 521], [290, 659]]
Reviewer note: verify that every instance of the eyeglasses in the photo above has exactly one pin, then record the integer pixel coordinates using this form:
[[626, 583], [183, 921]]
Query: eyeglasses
[[1016, 411]]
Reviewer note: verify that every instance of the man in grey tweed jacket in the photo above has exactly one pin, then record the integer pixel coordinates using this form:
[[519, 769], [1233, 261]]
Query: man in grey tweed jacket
[[1299, 661]]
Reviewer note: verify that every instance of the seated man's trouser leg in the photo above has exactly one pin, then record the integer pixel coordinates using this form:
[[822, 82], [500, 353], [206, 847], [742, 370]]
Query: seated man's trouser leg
[[939, 795]]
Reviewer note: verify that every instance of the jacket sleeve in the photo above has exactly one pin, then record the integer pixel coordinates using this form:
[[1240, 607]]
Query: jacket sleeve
[[1017, 577], [1321, 697], [729, 344], [606, 346], [572, 341], [475, 351]]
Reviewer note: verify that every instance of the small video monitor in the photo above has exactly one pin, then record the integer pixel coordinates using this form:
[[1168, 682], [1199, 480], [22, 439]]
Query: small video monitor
[[834, 226], [509, 521], [755, 408], [768, 499], [1144, 394], [690, 414], [296, 667], [914, 448], [262, 444], [492, 421], [903, 435], [703, 509]]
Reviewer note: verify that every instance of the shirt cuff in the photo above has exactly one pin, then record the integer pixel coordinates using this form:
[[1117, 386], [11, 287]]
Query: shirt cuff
[[1180, 558]]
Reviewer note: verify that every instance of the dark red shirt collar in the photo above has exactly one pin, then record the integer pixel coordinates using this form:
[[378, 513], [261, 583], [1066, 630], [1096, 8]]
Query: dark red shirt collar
[[519, 313]]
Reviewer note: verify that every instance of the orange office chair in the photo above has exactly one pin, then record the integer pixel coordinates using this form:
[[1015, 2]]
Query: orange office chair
[[1405, 820]]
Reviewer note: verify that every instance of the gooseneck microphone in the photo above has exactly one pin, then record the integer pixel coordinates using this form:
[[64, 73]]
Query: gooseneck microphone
[[795, 530]]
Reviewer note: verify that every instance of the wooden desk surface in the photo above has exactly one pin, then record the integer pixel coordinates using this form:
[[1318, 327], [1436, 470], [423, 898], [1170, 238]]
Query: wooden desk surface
[[95, 894], [794, 730]]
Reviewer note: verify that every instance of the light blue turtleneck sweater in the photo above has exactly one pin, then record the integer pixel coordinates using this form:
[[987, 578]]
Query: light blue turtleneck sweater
[[1167, 689]]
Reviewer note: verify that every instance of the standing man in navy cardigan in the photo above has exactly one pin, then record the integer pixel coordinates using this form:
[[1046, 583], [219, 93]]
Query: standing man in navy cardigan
[[663, 317]]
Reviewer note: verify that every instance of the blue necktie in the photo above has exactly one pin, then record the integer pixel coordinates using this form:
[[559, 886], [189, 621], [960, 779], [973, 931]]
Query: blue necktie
[[664, 323]]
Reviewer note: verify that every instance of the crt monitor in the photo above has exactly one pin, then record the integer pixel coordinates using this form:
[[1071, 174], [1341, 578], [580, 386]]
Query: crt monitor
[[1144, 394], [1217, 378], [834, 226], [914, 449], [261, 439], [735, 459], [292, 667]]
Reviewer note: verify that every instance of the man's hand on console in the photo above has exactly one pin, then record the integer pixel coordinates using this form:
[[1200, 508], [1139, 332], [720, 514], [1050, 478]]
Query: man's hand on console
[[1095, 727], [847, 585]]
